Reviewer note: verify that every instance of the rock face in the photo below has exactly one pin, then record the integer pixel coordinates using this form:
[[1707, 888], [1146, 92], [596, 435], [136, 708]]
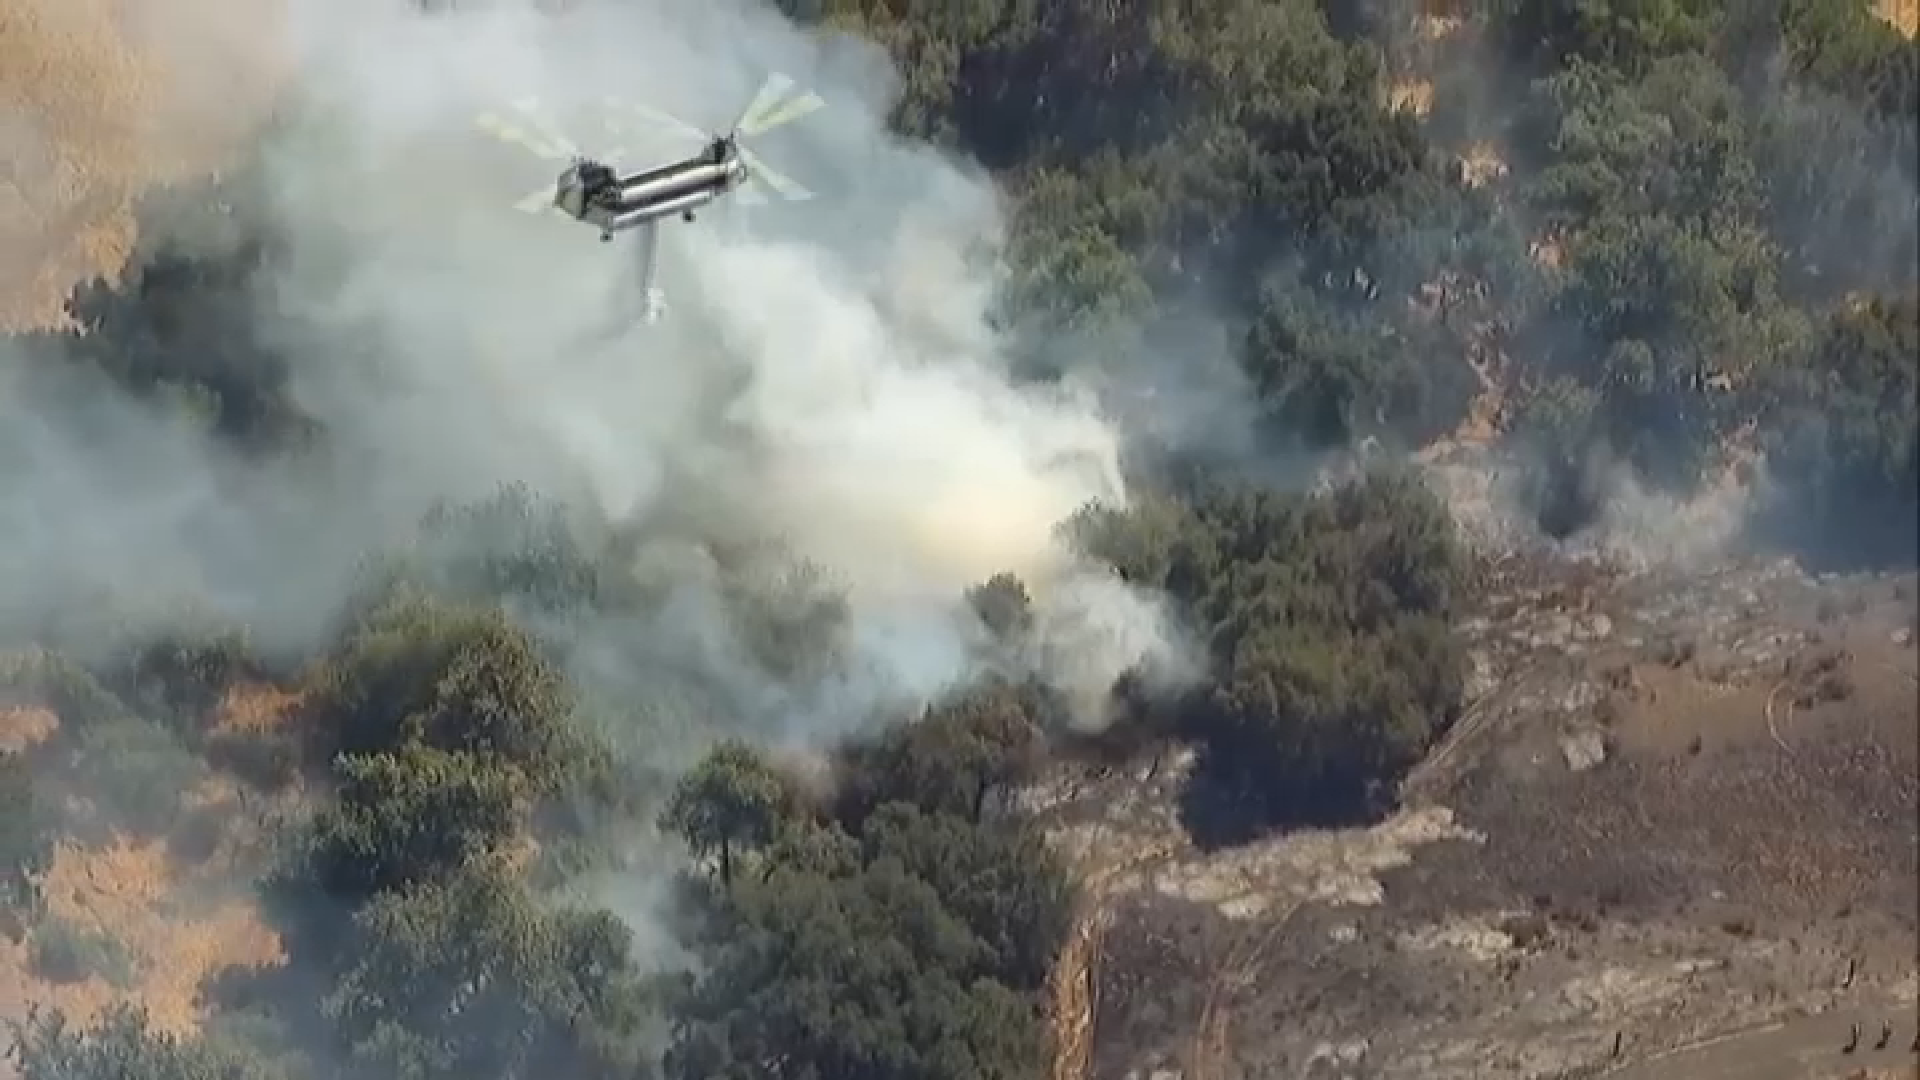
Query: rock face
[[1584, 751], [1676, 804]]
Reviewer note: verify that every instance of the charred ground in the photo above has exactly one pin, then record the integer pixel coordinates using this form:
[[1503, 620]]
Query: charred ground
[[1677, 806]]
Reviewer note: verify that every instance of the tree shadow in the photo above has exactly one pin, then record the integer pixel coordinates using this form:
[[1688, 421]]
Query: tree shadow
[[1226, 803], [1838, 531]]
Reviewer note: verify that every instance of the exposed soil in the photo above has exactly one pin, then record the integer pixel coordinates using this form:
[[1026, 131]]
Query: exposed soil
[[1679, 806]]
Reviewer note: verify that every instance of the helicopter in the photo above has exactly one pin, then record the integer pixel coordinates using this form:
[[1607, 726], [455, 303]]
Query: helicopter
[[592, 191]]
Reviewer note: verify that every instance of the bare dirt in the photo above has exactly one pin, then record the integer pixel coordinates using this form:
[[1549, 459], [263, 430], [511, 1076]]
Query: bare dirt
[[1680, 807]]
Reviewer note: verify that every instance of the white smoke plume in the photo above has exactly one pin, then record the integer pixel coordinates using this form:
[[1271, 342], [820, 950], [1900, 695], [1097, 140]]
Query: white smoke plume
[[828, 376]]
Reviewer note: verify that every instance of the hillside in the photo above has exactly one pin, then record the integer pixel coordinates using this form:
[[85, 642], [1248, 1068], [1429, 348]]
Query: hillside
[[1229, 539], [1676, 808], [100, 115]]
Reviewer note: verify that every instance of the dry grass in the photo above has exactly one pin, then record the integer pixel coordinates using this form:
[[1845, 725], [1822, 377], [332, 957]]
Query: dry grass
[[1411, 95], [1904, 14], [136, 893], [1482, 163], [24, 727], [101, 100], [177, 917], [255, 708], [1439, 27]]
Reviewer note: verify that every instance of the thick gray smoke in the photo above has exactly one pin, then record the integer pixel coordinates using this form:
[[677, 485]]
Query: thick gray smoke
[[829, 378]]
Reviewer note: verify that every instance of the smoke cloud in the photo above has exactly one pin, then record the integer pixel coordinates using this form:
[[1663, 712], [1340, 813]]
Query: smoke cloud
[[828, 376]]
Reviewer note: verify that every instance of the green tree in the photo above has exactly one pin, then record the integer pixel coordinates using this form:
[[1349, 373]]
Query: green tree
[[470, 975], [515, 547], [42, 678], [26, 838], [1326, 618], [905, 937], [1004, 608], [867, 975], [859, 985], [181, 676], [1626, 35], [1843, 201], [1844, 48], [453, 677], [137, 772], [998, 878], [1671, 281], [122, 1046], [180, 326], [789, 613], [1329, 376], [1840, 434], [952, 759], [414, 815], [731, 802]]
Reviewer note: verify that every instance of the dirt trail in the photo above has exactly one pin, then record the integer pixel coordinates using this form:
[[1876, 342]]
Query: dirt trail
[[1073, 990], [1074, 994], [1212, 1041]]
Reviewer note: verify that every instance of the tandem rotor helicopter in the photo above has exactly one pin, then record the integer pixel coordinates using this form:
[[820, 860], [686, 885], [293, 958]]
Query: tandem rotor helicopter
[[594, 192]]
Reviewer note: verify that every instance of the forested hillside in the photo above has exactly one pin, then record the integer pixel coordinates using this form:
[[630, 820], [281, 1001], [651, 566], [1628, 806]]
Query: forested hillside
[[508, 817]]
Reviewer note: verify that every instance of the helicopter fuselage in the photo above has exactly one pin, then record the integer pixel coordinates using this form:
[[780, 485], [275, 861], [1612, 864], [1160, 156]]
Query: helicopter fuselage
[[592, 192]]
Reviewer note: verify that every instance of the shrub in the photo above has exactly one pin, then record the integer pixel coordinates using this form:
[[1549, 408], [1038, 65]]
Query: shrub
[[65, 953]]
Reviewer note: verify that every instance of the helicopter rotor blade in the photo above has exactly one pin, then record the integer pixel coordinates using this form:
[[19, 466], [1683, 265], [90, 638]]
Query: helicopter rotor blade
[[786, 112], [782, 184], [523, 124], [624, 113], [529, 130], [770, 91]]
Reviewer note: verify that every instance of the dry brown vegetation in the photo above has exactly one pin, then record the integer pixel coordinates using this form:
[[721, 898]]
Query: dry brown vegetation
[[1411, 95], [255, 708], [1709, 872], [171, 910], [1904, 14], [23, 727], [177, 923], [102, 100]]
